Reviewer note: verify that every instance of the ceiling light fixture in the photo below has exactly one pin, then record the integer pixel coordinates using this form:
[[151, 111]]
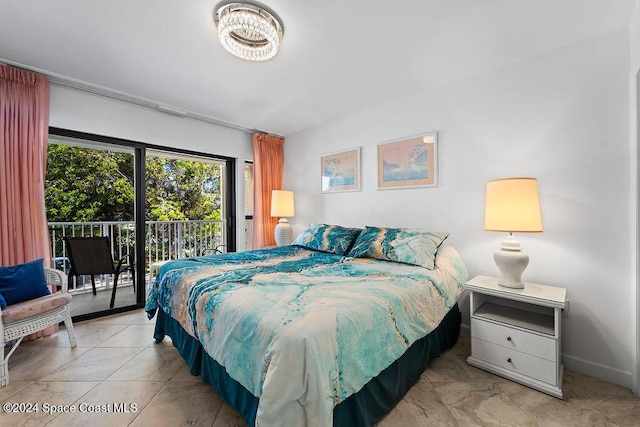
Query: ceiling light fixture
[[248, 31]]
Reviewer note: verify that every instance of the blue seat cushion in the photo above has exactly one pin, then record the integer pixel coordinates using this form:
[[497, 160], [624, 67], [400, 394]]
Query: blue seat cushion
[[22, 282]]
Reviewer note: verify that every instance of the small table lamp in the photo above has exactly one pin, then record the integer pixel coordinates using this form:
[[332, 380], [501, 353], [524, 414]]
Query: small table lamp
[[282, 206], [512, 205]]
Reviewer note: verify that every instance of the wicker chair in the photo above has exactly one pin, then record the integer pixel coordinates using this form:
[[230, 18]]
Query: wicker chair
[[24, 318]]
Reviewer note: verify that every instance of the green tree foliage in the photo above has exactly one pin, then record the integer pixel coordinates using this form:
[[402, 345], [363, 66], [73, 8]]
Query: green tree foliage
[[85, 184], [182, 189], [88, 185]]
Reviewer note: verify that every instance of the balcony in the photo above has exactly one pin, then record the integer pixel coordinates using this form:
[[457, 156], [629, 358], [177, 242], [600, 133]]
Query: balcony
[[164, 240]]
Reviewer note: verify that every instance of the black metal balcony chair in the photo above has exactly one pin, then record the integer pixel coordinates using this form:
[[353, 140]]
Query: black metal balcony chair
[[92, 255]]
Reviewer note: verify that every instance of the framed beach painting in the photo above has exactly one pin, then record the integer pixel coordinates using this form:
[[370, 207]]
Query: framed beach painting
[[410, 162], [341, 171]]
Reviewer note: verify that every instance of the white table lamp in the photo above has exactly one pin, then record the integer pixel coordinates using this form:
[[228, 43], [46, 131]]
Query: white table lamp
[[282, 207], [512, 205]]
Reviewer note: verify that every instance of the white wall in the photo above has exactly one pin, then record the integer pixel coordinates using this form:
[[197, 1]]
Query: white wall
[[81, 111], [562, 117], [634, 98], [634, 35]]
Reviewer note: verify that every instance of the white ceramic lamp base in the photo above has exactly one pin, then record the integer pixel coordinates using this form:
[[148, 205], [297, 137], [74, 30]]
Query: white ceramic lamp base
[[511, 261], [283, 232]]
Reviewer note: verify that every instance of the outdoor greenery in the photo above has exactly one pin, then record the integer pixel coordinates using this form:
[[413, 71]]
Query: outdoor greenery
[[182, 189], [85, 184]]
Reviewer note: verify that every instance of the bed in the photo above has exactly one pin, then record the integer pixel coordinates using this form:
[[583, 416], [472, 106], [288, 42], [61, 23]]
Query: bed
[[331, 330]]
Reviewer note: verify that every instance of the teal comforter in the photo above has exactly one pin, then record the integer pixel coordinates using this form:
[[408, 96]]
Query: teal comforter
[[303, 330]]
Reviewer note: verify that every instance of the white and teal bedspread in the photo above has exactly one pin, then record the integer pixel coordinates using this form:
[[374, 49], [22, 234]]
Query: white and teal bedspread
[[303, 330]]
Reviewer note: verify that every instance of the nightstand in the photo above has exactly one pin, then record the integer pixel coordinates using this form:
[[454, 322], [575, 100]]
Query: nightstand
[[515, 333]]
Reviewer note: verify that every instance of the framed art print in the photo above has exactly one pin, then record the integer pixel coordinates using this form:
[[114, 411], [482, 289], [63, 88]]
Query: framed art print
[[340, 171], [409, 162]]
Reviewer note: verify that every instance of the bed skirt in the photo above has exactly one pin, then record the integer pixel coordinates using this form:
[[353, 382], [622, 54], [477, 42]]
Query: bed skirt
[[364, 408]]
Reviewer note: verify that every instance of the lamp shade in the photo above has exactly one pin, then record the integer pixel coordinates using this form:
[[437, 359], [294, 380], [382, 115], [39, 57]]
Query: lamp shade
[[282, 204], [512, 204]]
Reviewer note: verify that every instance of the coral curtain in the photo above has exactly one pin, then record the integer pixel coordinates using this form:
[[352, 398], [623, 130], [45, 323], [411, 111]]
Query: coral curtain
[[268, 170], [24, 129]]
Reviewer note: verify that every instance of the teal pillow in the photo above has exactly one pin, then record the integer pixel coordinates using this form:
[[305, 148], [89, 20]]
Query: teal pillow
[[327, 238], [23, 282], [405, 245]]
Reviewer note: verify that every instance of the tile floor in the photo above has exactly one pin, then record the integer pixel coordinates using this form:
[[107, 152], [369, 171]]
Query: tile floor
[[117, 361]]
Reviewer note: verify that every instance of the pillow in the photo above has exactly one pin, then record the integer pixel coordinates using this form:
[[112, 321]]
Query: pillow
[[405, 245], [23, 282], [327, 238]]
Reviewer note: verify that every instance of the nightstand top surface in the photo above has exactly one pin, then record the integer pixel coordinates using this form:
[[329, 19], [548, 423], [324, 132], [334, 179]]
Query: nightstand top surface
[[549, 296]]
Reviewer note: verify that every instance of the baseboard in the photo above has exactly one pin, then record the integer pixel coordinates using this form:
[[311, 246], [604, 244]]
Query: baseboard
[[598, 371], [465, 330]]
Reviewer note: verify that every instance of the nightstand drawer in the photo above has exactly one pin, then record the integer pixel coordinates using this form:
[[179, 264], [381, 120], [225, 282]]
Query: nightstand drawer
[[531, 366], [514, 339]]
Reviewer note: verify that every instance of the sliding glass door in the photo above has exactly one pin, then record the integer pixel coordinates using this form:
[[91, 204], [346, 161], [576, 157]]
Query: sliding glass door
[[153, 205], [186, 209], [90, 192]]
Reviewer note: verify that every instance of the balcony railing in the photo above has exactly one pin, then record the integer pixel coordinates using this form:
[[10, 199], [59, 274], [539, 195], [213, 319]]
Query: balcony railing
[[164, 240]]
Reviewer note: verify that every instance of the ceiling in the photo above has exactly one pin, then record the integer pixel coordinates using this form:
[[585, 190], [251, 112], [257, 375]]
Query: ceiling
[[336, 58]]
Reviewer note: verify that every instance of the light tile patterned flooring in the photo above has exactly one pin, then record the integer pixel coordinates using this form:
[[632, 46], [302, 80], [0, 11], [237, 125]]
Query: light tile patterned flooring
[[116, 361]]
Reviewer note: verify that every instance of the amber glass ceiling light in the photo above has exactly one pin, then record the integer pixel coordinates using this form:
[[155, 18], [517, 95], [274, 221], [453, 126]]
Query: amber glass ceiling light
[[512, 205], [248, 31]]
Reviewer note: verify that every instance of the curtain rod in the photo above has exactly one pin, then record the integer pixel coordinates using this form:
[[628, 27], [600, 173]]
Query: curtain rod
[[64, 81]]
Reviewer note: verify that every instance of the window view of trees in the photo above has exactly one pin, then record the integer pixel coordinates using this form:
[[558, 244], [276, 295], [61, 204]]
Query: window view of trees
[[88, 185], [85, 184], [182, 189]]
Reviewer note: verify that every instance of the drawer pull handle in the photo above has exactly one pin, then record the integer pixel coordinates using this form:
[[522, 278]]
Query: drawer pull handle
[[508, 338], [509, 360]]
